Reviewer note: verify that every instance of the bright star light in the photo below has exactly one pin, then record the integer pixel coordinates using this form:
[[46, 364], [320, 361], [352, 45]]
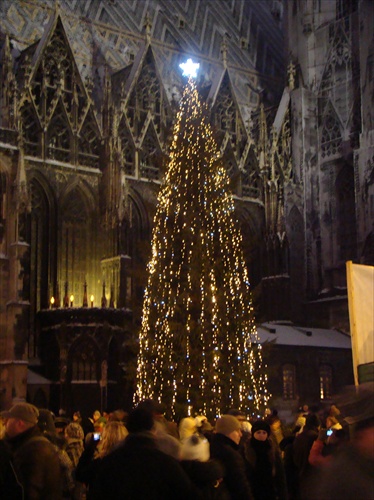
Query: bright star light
[[190, 68]]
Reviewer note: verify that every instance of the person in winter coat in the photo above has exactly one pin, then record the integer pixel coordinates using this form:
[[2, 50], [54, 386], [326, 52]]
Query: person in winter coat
[[224, 447], [138, 469], [301, 449], [206, 475], [34, 457], [264, 464], [89, 463]]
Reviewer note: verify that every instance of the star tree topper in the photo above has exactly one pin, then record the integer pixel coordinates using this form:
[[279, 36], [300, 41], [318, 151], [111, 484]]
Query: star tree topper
[[190, 68]]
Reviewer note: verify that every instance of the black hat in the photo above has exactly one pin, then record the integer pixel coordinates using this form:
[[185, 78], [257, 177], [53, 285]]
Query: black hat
[[261, 425], [140, 420]]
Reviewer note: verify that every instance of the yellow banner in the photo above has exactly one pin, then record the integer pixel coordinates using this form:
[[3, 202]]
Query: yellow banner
[[360, 283]]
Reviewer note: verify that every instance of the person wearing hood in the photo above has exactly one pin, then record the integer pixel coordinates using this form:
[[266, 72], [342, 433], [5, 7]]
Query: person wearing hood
[[264, 465]]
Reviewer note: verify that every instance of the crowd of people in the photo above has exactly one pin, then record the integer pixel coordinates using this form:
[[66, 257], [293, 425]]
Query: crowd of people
[[142, 455]]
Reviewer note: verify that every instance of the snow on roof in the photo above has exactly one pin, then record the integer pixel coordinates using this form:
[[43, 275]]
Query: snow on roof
[[288, 334]]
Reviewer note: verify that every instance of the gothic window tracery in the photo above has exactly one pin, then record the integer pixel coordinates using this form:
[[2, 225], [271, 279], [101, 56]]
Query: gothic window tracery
[[226, 117], [150, 158], [30, 130], [230, 164], [146, 97], [331, 136], [83, 361], [251, 178], [128, 153], [88, 144], [58, 137]]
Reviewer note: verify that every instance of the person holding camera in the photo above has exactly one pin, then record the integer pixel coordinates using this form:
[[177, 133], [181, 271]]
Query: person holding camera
[[99, 446], [326, 444]]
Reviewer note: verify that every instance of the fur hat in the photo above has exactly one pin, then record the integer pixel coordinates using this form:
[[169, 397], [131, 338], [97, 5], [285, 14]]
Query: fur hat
[[23, 411], [195, 448], [261, 425], [187, 427], [227, 424], [74, 431]]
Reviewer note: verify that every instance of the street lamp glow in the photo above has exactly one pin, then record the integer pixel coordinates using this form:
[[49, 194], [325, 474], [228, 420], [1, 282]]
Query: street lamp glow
[[190, 68]]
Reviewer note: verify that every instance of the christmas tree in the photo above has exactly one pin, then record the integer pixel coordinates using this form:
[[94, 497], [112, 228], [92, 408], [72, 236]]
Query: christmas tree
[[199, 350]]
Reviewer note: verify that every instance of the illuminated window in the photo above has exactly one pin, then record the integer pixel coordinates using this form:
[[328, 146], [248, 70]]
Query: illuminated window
[[289, 381], [325, 381]]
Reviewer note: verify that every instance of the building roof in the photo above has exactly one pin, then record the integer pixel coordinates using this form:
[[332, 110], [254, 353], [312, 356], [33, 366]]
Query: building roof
[[292, 335]]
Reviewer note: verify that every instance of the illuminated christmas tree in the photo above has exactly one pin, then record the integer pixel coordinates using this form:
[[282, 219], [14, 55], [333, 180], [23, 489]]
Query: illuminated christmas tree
[[199, 350]]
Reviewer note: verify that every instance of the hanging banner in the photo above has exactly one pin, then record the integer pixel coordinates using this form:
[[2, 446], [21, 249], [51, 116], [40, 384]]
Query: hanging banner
[[360, 284]]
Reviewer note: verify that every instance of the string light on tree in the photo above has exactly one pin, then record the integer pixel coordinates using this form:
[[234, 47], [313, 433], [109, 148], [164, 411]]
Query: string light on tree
[[199, 350]]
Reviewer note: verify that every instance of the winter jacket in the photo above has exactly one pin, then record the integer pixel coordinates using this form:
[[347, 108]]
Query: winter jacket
[[37, 465], [74, 449], [137, 469], [227, 452], [265, 470], [207, 479]]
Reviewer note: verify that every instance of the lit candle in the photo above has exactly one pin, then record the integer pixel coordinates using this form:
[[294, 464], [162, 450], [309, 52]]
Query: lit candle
[[52, 301], [71, 300], [92, 299]]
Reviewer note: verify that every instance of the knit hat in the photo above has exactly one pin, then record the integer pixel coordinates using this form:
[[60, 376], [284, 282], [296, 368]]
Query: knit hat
[[227, 424], [187, 427], [261, 425], [195, 448], [23, 411]]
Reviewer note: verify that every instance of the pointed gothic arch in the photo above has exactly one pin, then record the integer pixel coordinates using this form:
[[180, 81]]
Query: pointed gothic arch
[[226, 117], [147, 95]]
